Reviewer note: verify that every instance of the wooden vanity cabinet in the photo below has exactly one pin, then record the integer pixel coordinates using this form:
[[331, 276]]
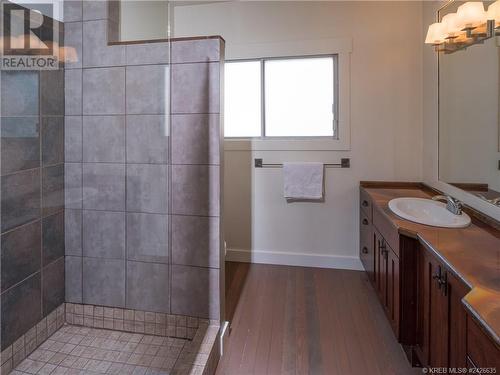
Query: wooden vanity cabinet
[[441, 317], [381, 257], [421, 296]]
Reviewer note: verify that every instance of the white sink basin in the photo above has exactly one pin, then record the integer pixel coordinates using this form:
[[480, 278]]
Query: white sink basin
[[428, 212]]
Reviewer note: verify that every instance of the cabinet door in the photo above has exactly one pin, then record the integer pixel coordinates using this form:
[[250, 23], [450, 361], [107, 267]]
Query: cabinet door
[[441, 317], [438, 327], [381, 268], [393, 302], [432, 312]]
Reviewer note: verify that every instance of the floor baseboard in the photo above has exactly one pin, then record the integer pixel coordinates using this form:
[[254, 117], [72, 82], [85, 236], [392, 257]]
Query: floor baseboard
[[294, 259]]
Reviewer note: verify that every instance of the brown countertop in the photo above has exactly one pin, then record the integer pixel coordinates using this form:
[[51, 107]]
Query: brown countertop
[[472, 253]]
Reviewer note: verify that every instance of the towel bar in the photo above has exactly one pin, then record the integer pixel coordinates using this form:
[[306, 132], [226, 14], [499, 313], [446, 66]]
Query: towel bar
[[344, 163]]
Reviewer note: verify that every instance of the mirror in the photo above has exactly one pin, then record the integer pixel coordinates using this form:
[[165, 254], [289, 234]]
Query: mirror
[[469, 126]]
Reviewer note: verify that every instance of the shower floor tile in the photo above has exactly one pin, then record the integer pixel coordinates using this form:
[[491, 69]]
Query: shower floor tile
[[80, 350]]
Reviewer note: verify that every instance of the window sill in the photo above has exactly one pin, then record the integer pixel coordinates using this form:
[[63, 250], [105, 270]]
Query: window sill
[[285, 144]]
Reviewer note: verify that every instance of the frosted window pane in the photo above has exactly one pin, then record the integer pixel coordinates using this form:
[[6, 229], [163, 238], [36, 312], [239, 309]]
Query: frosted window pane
[[299, 97], [242, 99]]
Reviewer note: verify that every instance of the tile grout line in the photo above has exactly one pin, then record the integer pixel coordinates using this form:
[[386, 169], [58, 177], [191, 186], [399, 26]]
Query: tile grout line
[[41, 128], [126, 189], [82, 288], [170, 182], [118, 163]]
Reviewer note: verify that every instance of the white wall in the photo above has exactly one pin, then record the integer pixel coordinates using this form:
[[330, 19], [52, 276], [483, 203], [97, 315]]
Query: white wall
[[430, 122], [386, 124], [143, 20]]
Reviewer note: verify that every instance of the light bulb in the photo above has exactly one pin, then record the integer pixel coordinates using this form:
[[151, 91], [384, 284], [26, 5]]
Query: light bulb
[[471, 14], [451, 24], [435, 34]]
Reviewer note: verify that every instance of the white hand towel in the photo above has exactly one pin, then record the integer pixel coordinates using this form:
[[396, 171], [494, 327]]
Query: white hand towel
[[303, 181]]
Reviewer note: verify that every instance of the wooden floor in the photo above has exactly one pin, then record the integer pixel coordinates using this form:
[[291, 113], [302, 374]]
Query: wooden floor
[[296, 320]]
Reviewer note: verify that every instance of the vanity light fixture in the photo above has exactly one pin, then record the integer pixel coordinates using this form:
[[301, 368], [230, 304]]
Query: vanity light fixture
[[470, 25], [494, 13]]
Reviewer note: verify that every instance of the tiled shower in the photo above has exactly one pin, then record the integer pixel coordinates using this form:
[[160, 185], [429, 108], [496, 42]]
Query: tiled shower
[[111, 196]]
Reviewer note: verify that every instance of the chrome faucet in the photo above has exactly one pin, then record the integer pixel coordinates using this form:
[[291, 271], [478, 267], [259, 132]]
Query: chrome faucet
[[453, 205]]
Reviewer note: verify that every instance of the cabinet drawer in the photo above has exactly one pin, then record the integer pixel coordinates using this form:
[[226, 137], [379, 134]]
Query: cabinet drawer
[[385, 227], [481, 350], [365, 203]]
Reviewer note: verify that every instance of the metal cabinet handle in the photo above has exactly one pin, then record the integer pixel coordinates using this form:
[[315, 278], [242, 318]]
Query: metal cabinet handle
[[470, 363], [383, 248], [382, 245], [365, 203], [365, 221], [442, 280], [364, 250], [437, 276], [443, 284]]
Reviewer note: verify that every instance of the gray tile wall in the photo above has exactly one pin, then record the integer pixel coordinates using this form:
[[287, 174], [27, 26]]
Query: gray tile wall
[[195, 173], [142, 141], [32, 199]]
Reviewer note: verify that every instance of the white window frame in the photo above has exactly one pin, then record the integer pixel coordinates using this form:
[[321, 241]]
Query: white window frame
[[263, 121], [342, 47]]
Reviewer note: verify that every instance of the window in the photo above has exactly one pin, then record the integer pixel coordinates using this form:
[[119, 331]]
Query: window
[[281, 97], [242, 99]]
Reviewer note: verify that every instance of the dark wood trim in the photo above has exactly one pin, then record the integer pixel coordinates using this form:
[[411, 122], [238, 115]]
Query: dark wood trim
[[470, 186], [484, 221], [390, 185]]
